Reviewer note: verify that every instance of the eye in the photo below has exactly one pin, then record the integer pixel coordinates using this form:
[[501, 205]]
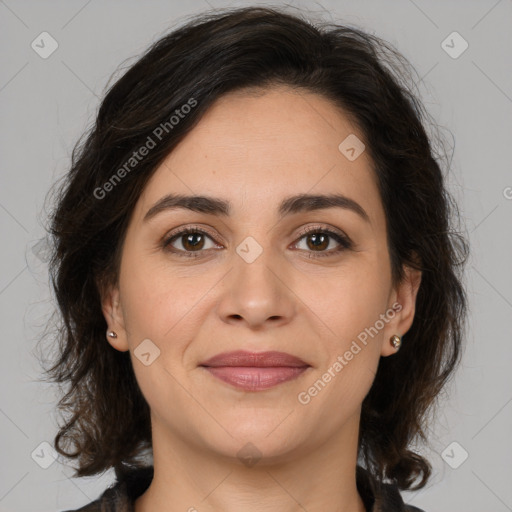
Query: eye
[[318, 240], [192, 241], [188, 241]]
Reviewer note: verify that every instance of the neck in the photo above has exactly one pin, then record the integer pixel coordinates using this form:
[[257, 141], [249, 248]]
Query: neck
[[190, 478]]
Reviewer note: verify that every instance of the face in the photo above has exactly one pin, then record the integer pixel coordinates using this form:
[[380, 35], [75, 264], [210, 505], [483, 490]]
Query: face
[[260, 270]]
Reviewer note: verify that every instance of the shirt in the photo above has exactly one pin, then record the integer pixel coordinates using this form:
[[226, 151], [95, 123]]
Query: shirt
[[121, 496]]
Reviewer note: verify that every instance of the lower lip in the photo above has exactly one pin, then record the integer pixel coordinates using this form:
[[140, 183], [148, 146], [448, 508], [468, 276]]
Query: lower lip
[[252, 378]]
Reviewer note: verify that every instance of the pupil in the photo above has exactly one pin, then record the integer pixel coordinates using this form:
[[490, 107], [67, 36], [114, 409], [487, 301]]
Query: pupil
[[190, 238], [318, 240]]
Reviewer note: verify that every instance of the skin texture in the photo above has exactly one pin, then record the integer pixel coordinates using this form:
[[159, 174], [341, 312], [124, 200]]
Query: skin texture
[[255, 150]]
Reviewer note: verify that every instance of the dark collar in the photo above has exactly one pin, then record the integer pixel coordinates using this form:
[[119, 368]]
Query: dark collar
[[377, 497]]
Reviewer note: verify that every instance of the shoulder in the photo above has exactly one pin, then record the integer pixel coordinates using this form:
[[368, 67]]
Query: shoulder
[[121, 496], [390, 500], [380, 496], [112, 500]]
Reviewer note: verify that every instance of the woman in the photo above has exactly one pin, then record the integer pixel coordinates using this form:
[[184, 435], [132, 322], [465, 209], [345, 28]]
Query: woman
[[257, 274]]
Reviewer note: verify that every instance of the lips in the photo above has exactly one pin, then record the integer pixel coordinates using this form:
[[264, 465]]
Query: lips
[[254, 359], [255, 371]]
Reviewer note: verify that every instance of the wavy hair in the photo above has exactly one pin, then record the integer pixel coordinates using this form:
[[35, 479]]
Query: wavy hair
[[106, 420]]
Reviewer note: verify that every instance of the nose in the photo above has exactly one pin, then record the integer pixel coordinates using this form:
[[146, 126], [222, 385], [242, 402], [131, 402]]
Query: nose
[[257, 294]]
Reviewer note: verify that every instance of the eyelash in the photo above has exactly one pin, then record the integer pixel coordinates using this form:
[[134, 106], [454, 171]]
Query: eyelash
[[343, 241]]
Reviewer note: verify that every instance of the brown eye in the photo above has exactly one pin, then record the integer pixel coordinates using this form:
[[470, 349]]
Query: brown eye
[[319, 240], [189, 241], [192, 241]]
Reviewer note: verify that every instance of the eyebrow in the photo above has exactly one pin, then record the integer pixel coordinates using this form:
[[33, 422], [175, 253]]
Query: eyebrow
[[289, 206]]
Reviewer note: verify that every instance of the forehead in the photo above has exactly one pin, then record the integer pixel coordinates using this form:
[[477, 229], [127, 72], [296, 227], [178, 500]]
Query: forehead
[[253, 145]]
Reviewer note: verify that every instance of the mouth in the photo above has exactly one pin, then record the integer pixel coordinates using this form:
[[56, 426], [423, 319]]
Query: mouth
[[255, 371]]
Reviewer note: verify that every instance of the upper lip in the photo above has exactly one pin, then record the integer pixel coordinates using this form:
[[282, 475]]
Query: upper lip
[[254, 359]]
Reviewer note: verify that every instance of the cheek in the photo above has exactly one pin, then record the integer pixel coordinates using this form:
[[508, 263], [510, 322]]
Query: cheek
[[149, 300], [160, 304], [348, 305], [349, 299], [348, 310]]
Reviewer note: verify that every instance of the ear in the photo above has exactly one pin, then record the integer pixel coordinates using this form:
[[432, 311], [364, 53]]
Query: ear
[[112, 311], [403, 303]]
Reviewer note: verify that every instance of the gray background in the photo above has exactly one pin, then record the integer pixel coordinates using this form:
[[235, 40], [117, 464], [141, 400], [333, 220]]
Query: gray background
[[47, 103]]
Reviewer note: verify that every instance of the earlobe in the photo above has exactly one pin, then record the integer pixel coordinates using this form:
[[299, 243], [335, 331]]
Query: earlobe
[[405, 298], [112, 311]]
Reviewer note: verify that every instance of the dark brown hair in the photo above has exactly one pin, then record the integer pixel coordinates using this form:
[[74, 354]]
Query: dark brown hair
[[107, 422]]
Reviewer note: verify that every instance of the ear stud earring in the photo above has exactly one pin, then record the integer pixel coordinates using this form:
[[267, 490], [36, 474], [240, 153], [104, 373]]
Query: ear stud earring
[[396, 341], [112, 334]]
